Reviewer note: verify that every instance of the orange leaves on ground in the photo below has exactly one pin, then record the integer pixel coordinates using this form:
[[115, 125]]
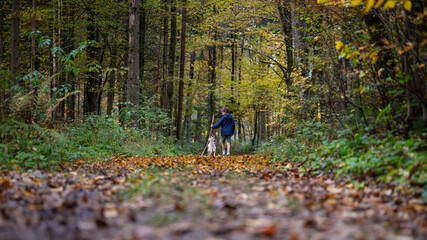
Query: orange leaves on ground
[[201, 164], [200, 197]]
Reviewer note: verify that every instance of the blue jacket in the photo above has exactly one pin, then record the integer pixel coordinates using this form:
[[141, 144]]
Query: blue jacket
[[227, 124]]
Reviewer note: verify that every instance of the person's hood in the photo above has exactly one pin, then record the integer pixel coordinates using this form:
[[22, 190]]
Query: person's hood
[[227, 116]]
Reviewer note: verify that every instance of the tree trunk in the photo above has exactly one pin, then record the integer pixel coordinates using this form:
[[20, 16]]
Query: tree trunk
[[2, 10], [142, 33], [255, 128], [111, 83], [262, 129], [58, 112], [133, 76], [233, 66], [181, 73], [286, 21], [90, 89], [123, 89], [71, 100], [189, 104], [32, 60], [164, 38], [296, 35], [211, 77], [171, 64], [14, 50]]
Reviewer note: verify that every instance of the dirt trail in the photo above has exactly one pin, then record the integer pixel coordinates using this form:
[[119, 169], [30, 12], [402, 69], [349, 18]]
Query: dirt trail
[[194, 197]]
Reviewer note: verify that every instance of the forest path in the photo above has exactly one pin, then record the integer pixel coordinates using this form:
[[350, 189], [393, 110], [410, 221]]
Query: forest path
[[195, 197]]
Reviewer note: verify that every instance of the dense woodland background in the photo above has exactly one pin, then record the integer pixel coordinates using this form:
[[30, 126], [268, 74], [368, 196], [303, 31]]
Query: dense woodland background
[[327, 82]]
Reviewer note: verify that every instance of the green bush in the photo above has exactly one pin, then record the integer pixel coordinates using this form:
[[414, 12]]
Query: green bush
[[299, 145], [385, 157], [26, 146], [382, 157]]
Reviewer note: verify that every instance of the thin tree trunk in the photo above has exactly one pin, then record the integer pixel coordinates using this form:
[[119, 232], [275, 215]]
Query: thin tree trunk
[[255, 128], [32, 59], [123, 89], [90, 89], [212, 77], [58, 112], [286, 21], [111, 83], [262, 129], [133, 76], [33, 38], [2, 56], [14, 50], [143, 27], [296, 34], [181, 72], [171, 65], [2, 10], [71, 111], [233, 66], [165, 36], [189, 104]]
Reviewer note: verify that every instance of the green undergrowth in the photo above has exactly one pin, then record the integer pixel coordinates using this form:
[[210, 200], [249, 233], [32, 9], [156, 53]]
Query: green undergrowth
[[358, 157], [26, 146]]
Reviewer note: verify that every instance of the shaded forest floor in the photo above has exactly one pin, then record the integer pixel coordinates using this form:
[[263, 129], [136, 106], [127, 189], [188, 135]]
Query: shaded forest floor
[[194, 197]]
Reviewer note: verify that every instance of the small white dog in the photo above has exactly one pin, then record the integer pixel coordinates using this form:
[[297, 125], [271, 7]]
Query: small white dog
[[211, 146]]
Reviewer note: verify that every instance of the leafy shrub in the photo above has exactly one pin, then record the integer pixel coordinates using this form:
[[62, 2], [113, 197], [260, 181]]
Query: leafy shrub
[[298, 145], [29, 146], [385, 157]]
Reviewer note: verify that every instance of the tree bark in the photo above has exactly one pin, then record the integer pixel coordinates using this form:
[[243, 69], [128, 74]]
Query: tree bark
[[212, 77], [133, 76], [286, 21], [58, 112], [233, 67], [164, 60], [143, 28], [2, 56], [91, 83], [297, 35], [14, 50], [111, 83], [189, 104], [171, 60], [181, 73], [71, 100], [32, 59], [2, 10], [255, 128], [262, 129]]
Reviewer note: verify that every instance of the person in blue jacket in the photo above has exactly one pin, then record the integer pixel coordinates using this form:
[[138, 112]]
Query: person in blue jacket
[[227, 130]]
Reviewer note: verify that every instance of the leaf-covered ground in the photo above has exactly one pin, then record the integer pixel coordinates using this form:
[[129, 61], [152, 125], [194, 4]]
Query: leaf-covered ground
[[194, 197]]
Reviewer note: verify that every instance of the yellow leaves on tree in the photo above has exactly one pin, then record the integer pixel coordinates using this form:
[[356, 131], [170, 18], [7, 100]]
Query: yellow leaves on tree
[[339, 45], [389, 4], [369, 5]]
